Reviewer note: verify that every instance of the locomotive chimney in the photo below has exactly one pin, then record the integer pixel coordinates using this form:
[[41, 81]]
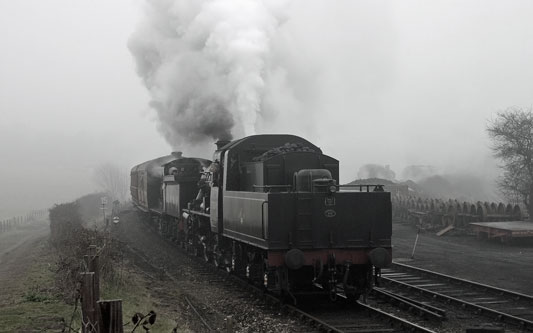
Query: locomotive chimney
[[176, 154], [221, 143]]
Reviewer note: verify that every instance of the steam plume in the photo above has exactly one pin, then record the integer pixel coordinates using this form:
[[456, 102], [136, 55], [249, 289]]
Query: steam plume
[[204, 64]]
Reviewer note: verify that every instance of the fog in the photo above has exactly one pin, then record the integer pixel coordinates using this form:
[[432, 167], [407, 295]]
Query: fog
[[370, 82]]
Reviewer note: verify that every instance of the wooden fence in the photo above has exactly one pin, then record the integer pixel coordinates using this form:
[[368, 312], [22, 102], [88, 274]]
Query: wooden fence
[[98, 316], [17, 221]]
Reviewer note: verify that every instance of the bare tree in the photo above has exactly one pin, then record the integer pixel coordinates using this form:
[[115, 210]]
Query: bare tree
[[113, 180], [512, 136]]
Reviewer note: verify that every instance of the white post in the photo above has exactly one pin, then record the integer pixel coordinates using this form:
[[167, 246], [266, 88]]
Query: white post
[[416, 241]]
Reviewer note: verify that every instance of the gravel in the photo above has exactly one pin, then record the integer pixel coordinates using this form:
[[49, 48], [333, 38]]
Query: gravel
[[224, 306]]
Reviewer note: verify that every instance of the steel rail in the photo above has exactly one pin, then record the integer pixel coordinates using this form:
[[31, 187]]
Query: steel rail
[[321, 325], [173, 279], [515, 294], [412, 327], [431, 313], [269, 298], [202, 319], [480, 309], [424, 305]]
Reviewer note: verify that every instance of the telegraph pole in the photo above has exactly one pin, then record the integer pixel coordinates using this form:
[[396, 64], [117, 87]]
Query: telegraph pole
[[104, 202]]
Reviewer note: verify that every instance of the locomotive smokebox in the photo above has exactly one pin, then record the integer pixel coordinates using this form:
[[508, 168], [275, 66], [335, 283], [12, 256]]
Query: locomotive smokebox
[[221, 143], [294, 259]]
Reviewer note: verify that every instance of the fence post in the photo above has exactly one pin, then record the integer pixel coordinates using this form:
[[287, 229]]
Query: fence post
[[88, 304], [93, 266], [110, 316]]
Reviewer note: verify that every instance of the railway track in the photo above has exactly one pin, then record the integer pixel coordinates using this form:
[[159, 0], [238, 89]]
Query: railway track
[[416, 315], [328, 317], [335, 317], [412, 305], [355, 318], [502, 307]]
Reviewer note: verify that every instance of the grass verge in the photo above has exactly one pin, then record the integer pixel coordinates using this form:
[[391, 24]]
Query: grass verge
[[136, 293], [34, 302]]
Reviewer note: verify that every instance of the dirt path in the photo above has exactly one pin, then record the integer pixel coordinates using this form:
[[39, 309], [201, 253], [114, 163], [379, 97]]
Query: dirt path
[[17, 249]]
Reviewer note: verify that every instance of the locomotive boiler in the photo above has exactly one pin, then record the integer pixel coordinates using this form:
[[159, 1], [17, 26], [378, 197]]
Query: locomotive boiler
[[268, 208]]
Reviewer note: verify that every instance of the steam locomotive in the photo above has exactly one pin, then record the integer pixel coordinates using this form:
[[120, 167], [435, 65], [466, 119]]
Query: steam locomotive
[[268, 208]]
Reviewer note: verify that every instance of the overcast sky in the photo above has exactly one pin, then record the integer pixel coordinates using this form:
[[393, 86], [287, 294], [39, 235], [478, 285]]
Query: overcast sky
[[397, 83]]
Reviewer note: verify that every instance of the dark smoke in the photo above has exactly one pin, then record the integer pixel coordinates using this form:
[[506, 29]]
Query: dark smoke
[[206, 65], [214, 121]]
